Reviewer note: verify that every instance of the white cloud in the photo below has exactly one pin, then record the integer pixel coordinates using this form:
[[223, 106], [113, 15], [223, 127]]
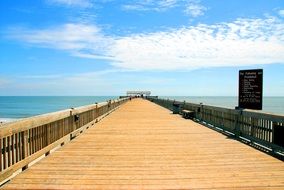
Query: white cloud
[[243, 42], [41, 76], [72, 3], [151, 5], [167, 3], [190, 7], [239, 43], [134, 7], [281, 12], [104, 82], [81, 40], [195, 9]]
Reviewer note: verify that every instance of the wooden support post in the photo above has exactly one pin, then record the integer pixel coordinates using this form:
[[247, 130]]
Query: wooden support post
[[71, 122], [17, 147], [25, 147], [200, 114], [13, 149], [9, 150], [4, 154], [237, 123], [1, 155], [277, 134]]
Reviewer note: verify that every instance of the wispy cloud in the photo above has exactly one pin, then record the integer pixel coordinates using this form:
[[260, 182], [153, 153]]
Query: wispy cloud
[[239, 43], [151, 5], [80, 40], [104, 82], [195, 9], [281, 12], [41, 76], [167, 3], [72, 3], [243, 42]]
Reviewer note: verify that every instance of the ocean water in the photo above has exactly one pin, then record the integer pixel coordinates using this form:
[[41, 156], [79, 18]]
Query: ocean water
[[17, 107], [270, 104]]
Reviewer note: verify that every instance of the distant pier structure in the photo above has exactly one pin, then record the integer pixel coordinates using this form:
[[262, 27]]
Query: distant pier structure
[[138, 93]]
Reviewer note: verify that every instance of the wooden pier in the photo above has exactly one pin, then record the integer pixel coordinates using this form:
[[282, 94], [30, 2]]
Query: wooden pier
[[144, 146]]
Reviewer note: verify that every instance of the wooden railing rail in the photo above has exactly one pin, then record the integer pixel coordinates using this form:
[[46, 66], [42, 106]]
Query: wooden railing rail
[[23, 141], [257, 127]]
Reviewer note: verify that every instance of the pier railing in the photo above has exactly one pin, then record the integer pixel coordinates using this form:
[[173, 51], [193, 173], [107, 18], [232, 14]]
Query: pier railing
[[24, 141], [264, 130]]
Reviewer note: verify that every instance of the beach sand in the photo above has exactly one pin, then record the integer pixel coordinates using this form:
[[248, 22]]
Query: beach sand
[[4, 121]]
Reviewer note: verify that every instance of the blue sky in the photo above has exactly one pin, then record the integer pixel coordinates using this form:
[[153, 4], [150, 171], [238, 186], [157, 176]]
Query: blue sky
[[171, 47]]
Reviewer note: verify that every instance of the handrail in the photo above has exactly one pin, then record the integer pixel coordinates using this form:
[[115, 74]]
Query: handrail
[[256, 127], [23, 141]]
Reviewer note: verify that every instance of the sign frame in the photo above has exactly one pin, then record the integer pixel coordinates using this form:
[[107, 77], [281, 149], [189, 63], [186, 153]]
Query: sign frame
[[250, 89]]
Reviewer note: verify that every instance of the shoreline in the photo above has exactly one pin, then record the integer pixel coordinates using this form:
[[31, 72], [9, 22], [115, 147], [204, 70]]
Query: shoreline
[[4, 121]]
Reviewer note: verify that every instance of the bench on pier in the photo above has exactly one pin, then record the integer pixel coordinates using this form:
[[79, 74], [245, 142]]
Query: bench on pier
[[187, 114]]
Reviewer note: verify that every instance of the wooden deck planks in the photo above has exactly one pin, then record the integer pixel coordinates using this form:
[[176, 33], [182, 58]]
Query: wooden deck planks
[[144, 146]]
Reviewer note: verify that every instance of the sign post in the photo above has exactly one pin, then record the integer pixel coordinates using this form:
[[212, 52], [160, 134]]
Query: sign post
[[250, 89]]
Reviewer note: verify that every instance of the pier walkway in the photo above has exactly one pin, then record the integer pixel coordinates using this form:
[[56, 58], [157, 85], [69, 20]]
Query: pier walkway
[[143, 146]]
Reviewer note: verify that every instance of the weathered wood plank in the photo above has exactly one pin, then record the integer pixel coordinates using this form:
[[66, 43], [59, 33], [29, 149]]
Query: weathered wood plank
[[19, 165], [138, 149]]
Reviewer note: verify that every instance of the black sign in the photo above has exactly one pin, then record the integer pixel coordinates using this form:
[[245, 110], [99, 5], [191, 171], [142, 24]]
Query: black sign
[[250, 89]]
